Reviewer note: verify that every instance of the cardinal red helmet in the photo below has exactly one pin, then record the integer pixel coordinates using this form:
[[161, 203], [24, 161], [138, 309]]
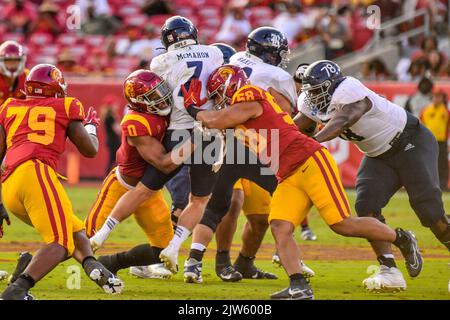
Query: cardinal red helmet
[[146, 92], [224, 82], [45, 80], [12, 59]]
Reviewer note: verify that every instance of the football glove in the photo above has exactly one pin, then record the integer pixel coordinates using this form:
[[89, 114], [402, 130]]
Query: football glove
[[192, 95], [92, 121], [3, 216]]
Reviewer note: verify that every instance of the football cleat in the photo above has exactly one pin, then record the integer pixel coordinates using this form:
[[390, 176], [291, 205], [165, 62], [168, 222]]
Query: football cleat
[[15, 292], [386, 280], [170, 258], [307, 272], [22, 263], [3, 275], [276, 260], [411, 253], [154, 271], [229, 274], [193, 271], [298, 292], [106, 280], [255, 273], [308, 235], [95, 243]]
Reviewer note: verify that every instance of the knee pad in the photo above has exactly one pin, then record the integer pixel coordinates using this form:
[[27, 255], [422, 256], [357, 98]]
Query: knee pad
[[212, 218]]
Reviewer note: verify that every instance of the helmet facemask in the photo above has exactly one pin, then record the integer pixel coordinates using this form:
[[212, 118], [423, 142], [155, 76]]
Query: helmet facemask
[[157, 100], [225, 93], [317, 96], [12, 72]]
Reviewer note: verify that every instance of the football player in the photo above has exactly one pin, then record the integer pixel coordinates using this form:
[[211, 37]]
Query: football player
[[33, 134], [143, 128], [399, 152], [306, 172], [12, 71]]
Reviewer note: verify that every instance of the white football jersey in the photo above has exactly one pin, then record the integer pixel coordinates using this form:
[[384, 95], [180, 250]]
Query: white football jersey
[[177, 67], [265, 75], [373, 132]]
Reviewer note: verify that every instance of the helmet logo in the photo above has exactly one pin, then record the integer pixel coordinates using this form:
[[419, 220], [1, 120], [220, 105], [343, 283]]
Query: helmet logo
[[225, 73], [129, 89], [276, 40], [56, 75]]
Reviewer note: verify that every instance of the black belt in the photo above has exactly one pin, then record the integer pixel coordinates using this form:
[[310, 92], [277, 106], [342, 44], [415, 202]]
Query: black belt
[[412, 123]]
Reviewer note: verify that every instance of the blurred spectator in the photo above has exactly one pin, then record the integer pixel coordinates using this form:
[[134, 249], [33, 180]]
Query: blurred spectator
[[235, 27], [429, 44], [375, 70], [147, 47], [69, 66], [99, 23], [361, 34], [290, 21], [436, 63], [421, 98], [156, 7], [127, 46], [98, 63], [416, 71], [335, 35], [108, 115], [101, 7], [18, 16], [47, 21], [436, 118], [390, 9]]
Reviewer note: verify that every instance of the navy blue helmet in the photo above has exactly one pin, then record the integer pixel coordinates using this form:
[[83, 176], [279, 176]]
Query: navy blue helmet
[[319, 81], [269, 44], [227, 51], [178, 29]]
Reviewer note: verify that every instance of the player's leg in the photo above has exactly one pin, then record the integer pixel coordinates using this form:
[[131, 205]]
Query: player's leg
[[322, 183], [179, 188], [154, 219], [99, 222], [217, 208], [256, 209], [224, 238], [376, 183], [423, 187], [29, 190], [288, 208], [203, 179]]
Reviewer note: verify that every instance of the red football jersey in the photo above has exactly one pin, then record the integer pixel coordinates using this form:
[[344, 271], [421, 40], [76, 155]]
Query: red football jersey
[[291, 148], [35, 128], [137, 124], [16, 90]]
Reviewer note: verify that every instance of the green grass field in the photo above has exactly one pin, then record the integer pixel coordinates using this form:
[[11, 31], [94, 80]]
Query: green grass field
[[340, 263]]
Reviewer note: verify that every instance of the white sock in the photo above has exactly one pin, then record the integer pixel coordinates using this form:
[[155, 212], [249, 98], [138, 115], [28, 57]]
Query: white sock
[[198, 246], [181, 234], [103, 234]]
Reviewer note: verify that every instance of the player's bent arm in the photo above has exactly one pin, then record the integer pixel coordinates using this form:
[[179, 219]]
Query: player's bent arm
[[153, 152], [305, 124], [282, 101], [347, 116], [86, 143], [231, 116]]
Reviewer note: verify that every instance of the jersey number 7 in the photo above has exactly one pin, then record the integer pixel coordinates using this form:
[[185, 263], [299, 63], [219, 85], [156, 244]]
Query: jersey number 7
[[198, 65]]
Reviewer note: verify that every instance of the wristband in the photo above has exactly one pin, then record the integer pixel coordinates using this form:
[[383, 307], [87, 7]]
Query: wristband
[[91, 129], [193, 111]]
